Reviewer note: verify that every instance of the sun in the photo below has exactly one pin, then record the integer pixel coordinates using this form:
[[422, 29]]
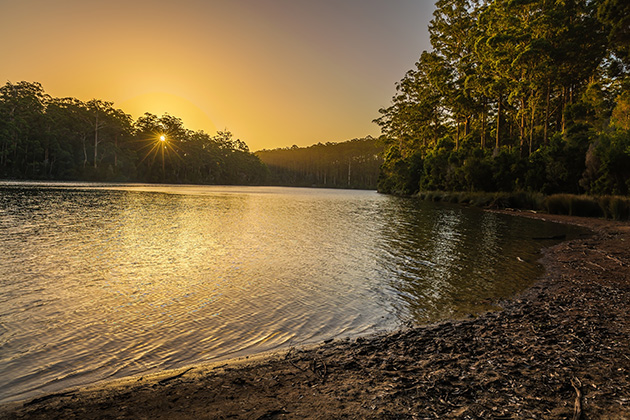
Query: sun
[[160, 148]]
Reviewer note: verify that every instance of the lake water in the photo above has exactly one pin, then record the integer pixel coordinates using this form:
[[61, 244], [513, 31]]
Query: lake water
[[106, 281]]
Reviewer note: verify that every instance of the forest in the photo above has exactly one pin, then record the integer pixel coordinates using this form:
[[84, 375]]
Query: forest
[[351, 164], [46, 138], [516, 95]]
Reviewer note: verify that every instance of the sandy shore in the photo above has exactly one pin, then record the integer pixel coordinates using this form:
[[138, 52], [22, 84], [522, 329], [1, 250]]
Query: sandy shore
[[559, 350]]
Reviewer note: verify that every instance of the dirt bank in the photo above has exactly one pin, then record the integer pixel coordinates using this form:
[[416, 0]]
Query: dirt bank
[[560, 350]]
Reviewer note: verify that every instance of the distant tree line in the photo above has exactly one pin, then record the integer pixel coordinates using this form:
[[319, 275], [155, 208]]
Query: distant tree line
[[350, 164], [516, 95], [42, 137]]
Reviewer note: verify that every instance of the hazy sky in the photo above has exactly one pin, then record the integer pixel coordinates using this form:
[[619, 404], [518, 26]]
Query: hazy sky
[[274, 72]]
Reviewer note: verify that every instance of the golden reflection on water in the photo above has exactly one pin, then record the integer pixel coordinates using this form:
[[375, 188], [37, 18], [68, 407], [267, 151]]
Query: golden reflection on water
[[102, 282]]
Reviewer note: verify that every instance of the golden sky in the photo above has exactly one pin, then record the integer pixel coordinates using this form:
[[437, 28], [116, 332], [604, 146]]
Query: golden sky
[[273, 72]]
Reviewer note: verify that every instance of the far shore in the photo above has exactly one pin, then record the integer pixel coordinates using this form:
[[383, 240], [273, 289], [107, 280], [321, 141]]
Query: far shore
[[559, 350]]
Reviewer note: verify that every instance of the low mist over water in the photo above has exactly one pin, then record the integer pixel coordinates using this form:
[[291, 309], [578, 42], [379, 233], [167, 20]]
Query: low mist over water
[[107, 281]]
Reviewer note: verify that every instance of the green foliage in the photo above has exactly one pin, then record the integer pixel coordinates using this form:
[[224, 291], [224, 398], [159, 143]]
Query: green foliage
[[543, 79], [505, 169], [621, 113], [608, 164], [66, 139], [395, 176], [616, 15]]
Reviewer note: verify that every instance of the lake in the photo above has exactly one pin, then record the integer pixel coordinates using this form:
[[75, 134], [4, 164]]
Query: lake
[[104, 281]]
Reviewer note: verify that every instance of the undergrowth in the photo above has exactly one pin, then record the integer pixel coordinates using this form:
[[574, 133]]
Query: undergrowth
[[607, 206]]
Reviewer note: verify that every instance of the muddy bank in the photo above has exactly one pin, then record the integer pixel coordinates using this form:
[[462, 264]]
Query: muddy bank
[[560, 350]]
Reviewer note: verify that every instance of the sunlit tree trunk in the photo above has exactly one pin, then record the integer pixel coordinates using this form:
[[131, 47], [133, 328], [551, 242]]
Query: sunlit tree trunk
[[547, 107], [521, 128], [457, 137], [531, 129]]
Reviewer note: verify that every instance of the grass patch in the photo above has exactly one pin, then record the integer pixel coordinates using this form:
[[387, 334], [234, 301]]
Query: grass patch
[[500, 200], [609, 207], [619, 208]]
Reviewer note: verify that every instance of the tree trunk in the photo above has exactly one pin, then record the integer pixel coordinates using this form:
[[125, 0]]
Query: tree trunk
[[496, 147], [457, 137], [15, 149], [3, 154], [46, 157], [547, 106], [349, 170], [521, 128], [564, 104], [483, 123], [95, 138], [531, 130], [25, 162], [435, 132], [85, 157]]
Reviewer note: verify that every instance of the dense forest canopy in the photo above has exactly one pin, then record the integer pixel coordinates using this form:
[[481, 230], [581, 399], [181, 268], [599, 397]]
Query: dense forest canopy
[[529, 95], [350, 164], [42, 137]]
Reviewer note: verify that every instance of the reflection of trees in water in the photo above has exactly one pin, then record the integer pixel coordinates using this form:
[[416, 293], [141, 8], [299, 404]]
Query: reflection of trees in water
[[447, 261]]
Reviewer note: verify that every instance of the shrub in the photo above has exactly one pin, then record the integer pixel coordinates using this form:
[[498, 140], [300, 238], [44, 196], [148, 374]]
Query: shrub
[[557, 204], [582, 205], [610, 207], [620, 208], [526, 200]]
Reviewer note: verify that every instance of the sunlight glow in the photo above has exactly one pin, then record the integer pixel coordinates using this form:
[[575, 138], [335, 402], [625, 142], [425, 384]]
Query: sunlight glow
[[159, 103], [159, 148]]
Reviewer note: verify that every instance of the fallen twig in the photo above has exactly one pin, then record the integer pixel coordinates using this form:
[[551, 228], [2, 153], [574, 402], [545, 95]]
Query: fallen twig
[[47, 397], [609, 257], [578, 338], [170, 378], [577, 409], [323, 371], [596, 265], [291, 361]]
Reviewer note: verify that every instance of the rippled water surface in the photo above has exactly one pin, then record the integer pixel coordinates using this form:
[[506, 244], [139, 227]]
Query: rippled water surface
[[107, 281]]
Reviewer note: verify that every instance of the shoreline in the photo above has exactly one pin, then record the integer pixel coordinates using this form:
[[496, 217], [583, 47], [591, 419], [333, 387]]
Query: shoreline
[[560, 349]]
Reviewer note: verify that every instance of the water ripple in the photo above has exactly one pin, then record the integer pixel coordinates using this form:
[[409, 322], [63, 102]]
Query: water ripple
[[109, 281]]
